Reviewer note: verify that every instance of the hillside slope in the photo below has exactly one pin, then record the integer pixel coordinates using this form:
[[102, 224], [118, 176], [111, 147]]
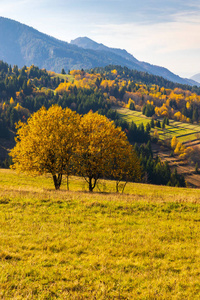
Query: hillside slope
[[22, 45]]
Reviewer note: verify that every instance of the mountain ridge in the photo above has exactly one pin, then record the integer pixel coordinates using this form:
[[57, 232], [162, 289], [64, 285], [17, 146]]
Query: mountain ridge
[[196, 77], [23, 45], [87, 43]]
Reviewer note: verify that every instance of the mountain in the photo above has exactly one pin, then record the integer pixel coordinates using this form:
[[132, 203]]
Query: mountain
[[196, 77], [131, 61], [86, 43], [23, 45]]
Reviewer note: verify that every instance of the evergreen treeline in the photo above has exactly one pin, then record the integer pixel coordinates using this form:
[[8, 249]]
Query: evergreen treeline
[[26, 84], [155, 171], [148, 110], [13, 80], [143, 77], [135, 134]]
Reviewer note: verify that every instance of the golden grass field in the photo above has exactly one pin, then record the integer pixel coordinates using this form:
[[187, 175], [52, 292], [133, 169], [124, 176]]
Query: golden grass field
[[143, 244]]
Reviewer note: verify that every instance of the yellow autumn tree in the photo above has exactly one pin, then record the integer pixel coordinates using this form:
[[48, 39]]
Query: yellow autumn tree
[[188, 105], [114, 72], [179, 148], [178, 116], [186, 153], [125, 166], [45, 144], [162, 111], [101, 149], [4, 106], [12, 101], [174, 142], [131, 104]]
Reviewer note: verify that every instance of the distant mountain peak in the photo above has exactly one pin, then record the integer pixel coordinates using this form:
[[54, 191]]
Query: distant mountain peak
[[87, 43], [23, 45], [196, 77], [84, 40]]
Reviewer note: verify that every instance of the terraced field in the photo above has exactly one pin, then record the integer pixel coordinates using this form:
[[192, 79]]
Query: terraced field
[[183, 131], [188, 134]]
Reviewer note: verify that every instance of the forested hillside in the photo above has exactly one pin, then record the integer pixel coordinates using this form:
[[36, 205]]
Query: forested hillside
[[24, 91]]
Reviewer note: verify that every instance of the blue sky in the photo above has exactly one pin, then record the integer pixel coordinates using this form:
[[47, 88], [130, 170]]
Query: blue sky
[[165, 33]]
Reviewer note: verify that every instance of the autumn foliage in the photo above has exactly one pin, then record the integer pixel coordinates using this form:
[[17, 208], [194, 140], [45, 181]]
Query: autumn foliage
[[59, 141], [104, 151], [46, 143]]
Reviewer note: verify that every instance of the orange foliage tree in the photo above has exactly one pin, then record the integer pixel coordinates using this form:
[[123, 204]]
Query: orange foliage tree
[[46, 143], [104, 151]]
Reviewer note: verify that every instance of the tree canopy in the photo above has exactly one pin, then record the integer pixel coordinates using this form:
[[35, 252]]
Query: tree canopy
[[58, 141], [104, 151], [46, 143]]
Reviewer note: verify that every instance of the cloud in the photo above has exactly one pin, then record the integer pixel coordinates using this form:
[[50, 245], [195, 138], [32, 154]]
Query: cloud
[[165, 37], [174, 44]]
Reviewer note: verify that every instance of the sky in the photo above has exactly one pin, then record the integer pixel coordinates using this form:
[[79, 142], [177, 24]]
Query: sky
[[160, 32]]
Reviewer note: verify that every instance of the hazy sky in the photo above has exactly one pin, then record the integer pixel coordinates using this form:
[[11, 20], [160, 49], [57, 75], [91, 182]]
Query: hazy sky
[[161, 32]]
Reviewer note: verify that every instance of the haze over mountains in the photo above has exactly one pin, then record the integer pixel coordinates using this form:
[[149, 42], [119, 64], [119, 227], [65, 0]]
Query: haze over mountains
[[196, 77], [22, 45]]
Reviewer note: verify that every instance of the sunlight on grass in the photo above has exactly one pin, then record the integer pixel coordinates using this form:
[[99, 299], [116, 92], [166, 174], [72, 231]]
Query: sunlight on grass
[[78, 245], [64, 76]]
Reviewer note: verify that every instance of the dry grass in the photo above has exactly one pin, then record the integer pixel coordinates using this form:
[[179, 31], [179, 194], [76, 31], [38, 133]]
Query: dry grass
[[80, 245]]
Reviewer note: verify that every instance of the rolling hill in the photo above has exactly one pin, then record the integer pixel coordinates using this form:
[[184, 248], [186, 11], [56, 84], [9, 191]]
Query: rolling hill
[[23, 45]]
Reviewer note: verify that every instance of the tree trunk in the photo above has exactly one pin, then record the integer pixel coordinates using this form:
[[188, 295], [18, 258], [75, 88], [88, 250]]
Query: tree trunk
[[68, 182], [117, 186], [124, 187], [92, 186], [57, 181]]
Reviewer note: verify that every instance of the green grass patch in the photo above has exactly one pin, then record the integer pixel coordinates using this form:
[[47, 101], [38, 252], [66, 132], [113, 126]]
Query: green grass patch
[[135, 116], [80, 245], [64, 77], [183, 131]]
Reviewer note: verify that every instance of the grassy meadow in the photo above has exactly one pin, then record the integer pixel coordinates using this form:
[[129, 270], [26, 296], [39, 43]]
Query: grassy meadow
[[183, 131], [143, 244], [63, 76]]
